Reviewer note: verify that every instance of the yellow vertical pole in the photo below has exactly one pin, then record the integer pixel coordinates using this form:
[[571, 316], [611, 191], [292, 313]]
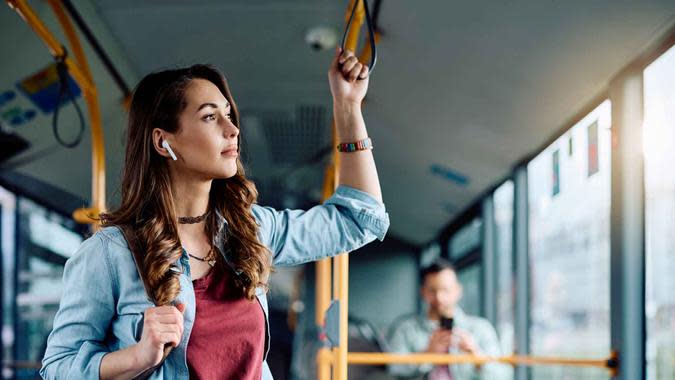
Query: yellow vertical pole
[[341, 262], [323, 275], [323, 284], [338, 357], [337, 296], [326, 357], [322, 289], [341, 272]]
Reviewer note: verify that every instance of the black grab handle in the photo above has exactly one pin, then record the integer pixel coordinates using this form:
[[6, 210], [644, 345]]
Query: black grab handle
[[371, 34]]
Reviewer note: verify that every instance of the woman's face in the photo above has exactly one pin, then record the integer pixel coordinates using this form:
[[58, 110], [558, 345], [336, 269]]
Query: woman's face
[[206, 142]]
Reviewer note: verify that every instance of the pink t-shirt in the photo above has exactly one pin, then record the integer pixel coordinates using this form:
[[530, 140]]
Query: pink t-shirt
[[228, 336]]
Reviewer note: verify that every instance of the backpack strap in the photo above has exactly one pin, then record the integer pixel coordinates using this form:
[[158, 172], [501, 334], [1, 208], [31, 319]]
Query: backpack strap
[[134, 247]]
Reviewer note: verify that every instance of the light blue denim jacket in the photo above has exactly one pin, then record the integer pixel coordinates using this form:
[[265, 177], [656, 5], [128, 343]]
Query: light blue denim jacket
[[103, 301]]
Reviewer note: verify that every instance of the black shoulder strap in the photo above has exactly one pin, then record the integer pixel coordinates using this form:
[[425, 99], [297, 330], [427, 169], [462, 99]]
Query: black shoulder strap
[[134, 247]]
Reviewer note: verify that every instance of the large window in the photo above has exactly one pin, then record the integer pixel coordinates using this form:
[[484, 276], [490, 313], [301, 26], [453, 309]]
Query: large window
[[429, 254], [505, 292], [466, 240], [569, 208], [36, 243], [471, 279], [7, 213], [659, 140], [464, 250]]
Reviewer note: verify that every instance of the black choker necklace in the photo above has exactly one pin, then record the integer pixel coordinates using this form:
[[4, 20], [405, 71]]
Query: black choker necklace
[[192, 219]]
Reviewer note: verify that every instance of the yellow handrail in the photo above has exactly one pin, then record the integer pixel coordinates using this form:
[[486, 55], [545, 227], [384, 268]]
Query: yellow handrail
[[377, 358], [74, 41], [55, 48], [79, 70]]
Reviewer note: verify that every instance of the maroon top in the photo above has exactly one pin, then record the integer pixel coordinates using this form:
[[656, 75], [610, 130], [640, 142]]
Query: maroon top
[[228, 336]]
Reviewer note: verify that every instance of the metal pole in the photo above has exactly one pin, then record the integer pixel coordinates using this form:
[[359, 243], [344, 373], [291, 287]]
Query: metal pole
[[489, 261], [522, 283], [627, 231]]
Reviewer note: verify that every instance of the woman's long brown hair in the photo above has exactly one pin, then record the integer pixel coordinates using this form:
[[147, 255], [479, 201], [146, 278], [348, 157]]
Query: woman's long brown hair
[[147, 202]]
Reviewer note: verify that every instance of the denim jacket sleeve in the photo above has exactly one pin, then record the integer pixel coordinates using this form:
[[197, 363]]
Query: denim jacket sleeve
[[346, 221], [76, 345]]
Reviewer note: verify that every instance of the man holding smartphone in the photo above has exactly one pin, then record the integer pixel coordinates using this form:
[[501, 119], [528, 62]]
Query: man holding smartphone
[[445, 328]]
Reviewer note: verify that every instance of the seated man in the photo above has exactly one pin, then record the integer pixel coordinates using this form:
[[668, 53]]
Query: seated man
[[424, 333]]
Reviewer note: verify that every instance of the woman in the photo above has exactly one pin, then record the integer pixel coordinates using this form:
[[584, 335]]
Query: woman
[[207, 247]]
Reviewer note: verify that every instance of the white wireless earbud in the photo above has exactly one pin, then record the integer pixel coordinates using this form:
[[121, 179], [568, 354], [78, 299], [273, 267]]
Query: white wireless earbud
[[166, 146]]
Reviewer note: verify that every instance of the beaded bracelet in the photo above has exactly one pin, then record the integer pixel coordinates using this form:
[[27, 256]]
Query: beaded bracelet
[[364, 144]]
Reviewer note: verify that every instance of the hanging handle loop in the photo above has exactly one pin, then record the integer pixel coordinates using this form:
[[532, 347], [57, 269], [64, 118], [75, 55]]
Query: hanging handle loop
[[371, 35]]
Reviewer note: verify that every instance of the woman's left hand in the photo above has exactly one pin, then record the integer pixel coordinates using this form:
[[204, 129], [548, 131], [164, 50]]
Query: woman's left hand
[[348, 78]]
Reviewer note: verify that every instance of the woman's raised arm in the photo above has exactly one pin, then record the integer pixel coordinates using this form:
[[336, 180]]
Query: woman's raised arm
[[357, 169]]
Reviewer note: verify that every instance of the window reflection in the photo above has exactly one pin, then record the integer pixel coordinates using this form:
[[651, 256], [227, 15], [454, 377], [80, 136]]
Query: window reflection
[[7, 234], [470, 278], [503, 209], [466, 240], [569, 205], [39, 243], [659, 139]]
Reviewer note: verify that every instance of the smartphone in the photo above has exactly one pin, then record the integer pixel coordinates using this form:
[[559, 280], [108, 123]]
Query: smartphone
[[447, 323]]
